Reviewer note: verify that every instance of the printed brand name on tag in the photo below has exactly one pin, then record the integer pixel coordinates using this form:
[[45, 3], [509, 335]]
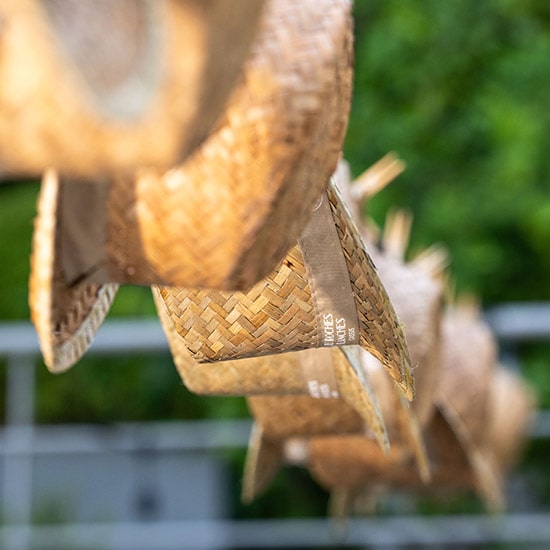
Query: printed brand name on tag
[[336, 332], [321, 391]]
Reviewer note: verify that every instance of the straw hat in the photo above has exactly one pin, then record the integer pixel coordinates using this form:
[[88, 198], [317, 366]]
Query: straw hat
[[480, 421], [229, 214], [97, 87], [469, 355], [510, 414], [282, 420], [325, 292], [356, 473], [348, 461], [415, 288]]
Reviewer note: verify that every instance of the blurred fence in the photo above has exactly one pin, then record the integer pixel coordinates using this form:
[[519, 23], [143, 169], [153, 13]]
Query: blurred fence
[[162, 486]]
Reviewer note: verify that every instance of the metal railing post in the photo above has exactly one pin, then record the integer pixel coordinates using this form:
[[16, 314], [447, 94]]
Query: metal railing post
[[18, 460]]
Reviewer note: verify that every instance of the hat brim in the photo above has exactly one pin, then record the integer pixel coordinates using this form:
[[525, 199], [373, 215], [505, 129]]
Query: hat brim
[[66, 317]]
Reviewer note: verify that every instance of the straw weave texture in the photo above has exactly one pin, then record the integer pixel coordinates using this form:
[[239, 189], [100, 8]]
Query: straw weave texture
[[469, 355], [115, 85], [417, 299], [281, 374], [228, 216], [301, 415], [278, 313], [355, 463], [66, 318]]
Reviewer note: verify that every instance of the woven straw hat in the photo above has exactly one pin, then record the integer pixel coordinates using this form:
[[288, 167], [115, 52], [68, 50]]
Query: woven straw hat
[[357, 474], [469, 355], [510, 414], [473, 438], [348, 462], [100, 87], [282, 419], [458, 437], [325, 292], [415, 288], [324, 375], [228, 215]]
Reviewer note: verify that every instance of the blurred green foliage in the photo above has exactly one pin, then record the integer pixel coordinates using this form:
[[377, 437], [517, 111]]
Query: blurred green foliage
[[460, 91]]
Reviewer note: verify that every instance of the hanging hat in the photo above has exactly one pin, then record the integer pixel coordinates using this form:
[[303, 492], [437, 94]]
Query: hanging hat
[[280, 418], [480, 420], [229, 214], [357, 474], [97, 87], [415, 287], [282, 421], [469, 355], [326, 292], [510, 414]]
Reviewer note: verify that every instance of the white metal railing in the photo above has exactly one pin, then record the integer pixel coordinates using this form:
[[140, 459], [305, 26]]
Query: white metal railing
[[21, 441]]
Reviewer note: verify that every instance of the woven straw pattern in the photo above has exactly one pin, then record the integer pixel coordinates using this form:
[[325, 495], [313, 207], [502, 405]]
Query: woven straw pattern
[[66, 318], [278, 313], [276, 375], [417, 299], [355, 463], [469, 356], [261, 375], [156, 109], [381, 332], [227, 216], [298, 415]]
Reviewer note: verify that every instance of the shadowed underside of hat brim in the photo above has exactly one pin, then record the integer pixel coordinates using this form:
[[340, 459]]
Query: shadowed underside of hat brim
[[66, 318]]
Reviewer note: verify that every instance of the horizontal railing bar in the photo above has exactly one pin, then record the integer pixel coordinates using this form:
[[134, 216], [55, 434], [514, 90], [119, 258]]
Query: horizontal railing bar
[[183, 436], [127, 437], [143, 335], [514, 321], [295, 533], [520, 321]]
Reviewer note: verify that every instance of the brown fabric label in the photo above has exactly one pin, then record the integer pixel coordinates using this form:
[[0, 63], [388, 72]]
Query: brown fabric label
[[83, 226], [318, 372], [328, 276]]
